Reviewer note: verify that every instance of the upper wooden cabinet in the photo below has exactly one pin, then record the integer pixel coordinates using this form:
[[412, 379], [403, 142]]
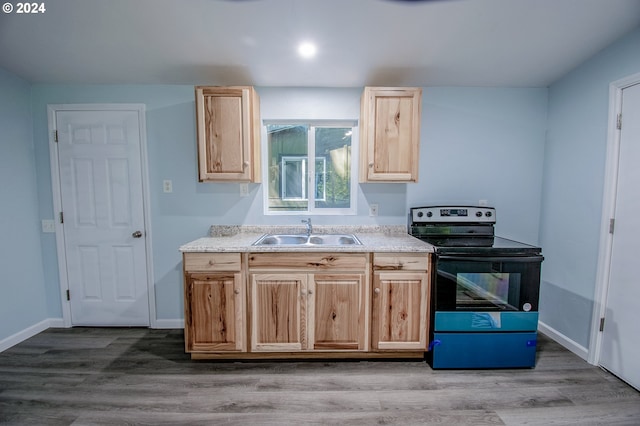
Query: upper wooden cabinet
[[228, 126], [390, 134]]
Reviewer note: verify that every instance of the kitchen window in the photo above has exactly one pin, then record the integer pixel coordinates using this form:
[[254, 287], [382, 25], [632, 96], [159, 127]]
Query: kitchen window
[[309, 168]]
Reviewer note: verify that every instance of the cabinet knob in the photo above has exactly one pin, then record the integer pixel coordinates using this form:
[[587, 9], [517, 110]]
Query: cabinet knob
[[236, 291], [376, 290], [309, 291], [370, 164], [245, 164]]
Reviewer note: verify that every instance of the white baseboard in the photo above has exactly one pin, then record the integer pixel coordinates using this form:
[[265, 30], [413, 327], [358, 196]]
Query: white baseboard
[[168, 323], [28, 332], [571, 345], [56, 323]]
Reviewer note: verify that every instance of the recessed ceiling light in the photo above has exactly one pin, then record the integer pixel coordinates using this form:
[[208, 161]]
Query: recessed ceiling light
[[307, 50]]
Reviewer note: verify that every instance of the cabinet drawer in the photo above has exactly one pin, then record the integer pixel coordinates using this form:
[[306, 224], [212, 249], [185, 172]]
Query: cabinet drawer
[[400, 262], [309, 261], [209, 262]]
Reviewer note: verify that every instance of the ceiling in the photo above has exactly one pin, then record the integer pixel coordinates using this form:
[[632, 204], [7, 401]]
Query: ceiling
[[514, 43]]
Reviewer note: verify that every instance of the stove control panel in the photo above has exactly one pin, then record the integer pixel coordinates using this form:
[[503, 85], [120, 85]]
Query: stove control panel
[[453, 214]]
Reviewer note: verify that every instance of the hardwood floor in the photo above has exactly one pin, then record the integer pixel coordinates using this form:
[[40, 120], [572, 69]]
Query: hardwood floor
[[85, 376]]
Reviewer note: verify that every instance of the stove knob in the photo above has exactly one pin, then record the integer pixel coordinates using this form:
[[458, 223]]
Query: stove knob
[[478, 214], [488, 214], [429, 214], [420, 214]]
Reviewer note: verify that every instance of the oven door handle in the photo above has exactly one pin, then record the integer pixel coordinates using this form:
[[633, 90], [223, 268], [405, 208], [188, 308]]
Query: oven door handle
[[517, 259]]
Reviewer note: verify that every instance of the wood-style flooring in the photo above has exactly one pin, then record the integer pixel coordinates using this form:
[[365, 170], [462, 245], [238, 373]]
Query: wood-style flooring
[[88, 376]]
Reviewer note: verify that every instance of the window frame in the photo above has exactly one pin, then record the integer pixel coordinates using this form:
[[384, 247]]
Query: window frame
[[311, 168], [283, 176]]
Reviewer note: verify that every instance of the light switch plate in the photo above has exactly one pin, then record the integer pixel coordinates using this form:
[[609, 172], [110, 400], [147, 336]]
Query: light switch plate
[[48, 226], [373, 210]]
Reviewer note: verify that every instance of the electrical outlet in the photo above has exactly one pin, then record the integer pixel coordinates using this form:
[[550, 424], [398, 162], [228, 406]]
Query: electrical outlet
[[373, 210], [244, 189], [167, 186], [48, 226]]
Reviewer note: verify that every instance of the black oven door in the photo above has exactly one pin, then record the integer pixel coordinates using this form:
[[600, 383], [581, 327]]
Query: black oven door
[[487, 283]]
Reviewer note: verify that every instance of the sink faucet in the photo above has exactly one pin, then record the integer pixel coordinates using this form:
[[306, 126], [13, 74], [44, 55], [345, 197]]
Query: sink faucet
[[309, 226]]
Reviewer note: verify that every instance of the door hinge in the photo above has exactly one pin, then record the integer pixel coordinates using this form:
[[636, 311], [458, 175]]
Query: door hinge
[[612, 225], [61, 217], [619, 121], [602, 324], [68, 295], [55, 136]]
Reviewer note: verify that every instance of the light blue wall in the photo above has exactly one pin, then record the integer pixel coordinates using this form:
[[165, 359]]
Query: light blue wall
[[573, 186], [502, 127], [484, 143], [22, 289], [175, 218], [187, 213]]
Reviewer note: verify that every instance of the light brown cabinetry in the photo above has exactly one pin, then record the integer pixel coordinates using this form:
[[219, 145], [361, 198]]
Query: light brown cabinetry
[[215, 308], [338, 313], [400, 312], [228, 131], [278, 310], [390, 134], [319, 304], [306, 304]]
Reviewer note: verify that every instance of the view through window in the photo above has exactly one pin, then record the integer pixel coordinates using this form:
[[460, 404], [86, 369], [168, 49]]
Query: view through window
[[309, 168]]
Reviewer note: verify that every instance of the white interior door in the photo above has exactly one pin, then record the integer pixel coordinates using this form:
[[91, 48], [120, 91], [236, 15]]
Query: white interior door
[[620, 350], [99, 158]]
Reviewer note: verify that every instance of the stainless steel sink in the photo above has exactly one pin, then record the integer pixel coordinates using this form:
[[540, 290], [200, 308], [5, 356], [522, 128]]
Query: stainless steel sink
[[311, 240], [279, 240], [334, 239]]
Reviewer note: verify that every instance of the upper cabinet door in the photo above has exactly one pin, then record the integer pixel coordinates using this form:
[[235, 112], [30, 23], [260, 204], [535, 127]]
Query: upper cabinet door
[[390, 134], [228, 125]]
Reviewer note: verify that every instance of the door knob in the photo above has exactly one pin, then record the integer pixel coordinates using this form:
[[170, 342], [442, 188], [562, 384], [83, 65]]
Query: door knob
[[137, 234]]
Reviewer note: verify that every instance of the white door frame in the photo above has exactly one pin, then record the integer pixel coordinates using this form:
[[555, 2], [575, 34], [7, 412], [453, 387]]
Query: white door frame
[[608, 212], [57, 199]]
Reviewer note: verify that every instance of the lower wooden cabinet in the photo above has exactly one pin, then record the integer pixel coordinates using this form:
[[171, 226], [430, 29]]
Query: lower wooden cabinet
[[310, 304], [338, 316], [301, 312], [401, 290], [400, 310], [278, 312], [214, 303], [214, 312]]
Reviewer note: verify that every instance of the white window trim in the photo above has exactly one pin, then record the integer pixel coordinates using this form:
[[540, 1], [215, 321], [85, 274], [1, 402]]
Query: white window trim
[[311, 209]]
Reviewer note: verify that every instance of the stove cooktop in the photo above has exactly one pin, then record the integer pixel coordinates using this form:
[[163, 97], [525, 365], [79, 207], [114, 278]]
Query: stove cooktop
[[493, 246]]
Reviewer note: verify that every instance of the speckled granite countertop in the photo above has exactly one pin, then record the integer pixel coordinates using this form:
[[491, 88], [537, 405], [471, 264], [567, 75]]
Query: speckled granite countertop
[[238, 238]]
